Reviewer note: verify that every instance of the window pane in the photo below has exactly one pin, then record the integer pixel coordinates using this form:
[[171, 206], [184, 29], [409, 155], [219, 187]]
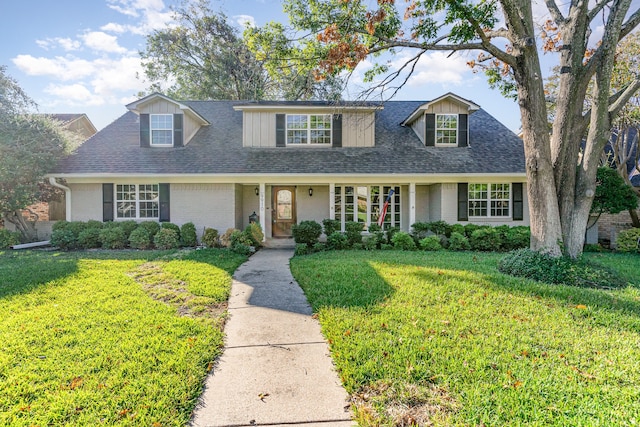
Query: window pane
[[375, 204], [446, 128], [362, 204], [338, 203]]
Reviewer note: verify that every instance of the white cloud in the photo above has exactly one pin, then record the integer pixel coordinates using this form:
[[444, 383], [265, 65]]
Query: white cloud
[[65, 43], [153, 14], [112, 27], [60, 68], [102, 42], [245, 20], [74, 94], [436, 67]]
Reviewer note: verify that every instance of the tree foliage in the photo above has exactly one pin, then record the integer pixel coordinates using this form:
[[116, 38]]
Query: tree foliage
[[203, 57], [613, 195], [337, 35], [29, 145]]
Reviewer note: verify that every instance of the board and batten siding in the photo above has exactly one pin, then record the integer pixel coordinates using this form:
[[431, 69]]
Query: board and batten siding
[[259, 127], [162, 106], [447, 106], [418, 127]]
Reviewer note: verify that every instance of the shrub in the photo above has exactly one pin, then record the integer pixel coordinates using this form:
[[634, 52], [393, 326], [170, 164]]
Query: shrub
[[171, 226], [457, 228], [593, 247], [319, 247], [628, 240], [336, 241], [458, 242], [211, 238], [470, 228], [440, 228], [420, 230], [301, 249], [140, 239], [403, 241], [113, 237], [357, 246], [389, 234], [386, 247], [92, 223], [152, 228], [376, 231], [76, 227], [430, 243], [128, 227], [254, 231], [241, 249], [89, 238], [559, 270], [64, 239], [330, 226], [353, 231], [9, 238], [516, 238], [370, 242], [188, 236], [225, 239], [59, 225], [166, 238], [307, 232], [485, 239]]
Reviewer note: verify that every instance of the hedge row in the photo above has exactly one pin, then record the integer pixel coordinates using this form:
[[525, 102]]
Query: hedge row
[[123, 234], [428, 236]]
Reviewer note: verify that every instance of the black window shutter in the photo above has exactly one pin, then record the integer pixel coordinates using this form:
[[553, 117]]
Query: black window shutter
[[145, 133], [178, 138], [463, 199], [107, 202], [337, 130], [430, 130], [164, 203], [281, 140], [518, 201], [463, 130]]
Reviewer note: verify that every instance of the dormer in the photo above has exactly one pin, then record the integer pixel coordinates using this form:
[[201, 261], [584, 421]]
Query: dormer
[[308, 124], [164, 122], [443, 122]]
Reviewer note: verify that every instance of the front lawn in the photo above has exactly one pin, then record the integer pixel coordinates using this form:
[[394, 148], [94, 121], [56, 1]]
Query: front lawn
[[103, 338], [444, 338]]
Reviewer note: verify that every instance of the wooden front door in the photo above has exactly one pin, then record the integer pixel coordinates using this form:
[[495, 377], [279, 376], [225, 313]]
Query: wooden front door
[[283, 211]]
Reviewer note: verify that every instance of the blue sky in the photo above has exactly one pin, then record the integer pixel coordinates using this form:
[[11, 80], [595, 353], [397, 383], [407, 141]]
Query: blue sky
[[80, 56]]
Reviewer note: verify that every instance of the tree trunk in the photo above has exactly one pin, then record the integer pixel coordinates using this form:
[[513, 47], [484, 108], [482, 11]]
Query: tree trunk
[[546, 232], [25, 227], [634, 218]]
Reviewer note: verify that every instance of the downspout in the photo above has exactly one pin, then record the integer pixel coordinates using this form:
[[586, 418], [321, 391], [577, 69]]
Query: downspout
[[67, 196]]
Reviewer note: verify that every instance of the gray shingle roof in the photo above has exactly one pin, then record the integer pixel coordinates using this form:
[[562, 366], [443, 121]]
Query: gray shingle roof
[[217, 149]]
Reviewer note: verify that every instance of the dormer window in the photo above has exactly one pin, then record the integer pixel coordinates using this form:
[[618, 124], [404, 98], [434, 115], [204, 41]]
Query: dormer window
[[312, 129], [446, 129], [162, 130]]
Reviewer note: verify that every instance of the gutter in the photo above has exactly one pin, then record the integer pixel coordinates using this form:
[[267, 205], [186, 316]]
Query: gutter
[[67, 196]]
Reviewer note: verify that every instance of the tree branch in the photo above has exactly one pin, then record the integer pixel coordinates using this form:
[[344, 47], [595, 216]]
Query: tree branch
[[631, 23], [596, 9], [555, 12], [618, 100]]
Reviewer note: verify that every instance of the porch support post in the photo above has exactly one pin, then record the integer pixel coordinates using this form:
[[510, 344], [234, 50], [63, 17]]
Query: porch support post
[[332, 200], [263, 211], [412, 204]]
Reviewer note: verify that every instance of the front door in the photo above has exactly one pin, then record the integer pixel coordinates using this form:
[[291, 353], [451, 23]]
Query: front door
[[284, 211]]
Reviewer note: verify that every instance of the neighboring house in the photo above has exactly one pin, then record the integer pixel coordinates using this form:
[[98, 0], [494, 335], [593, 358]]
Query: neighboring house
[[78, 123], [214, 163]]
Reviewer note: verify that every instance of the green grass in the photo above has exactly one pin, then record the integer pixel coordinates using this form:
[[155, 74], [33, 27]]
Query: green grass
[[445, 338], [84, 340]]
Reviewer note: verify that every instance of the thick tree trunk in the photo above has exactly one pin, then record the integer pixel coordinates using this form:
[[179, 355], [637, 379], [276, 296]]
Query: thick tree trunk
[[546, 232], [634, 218], [25, 227]]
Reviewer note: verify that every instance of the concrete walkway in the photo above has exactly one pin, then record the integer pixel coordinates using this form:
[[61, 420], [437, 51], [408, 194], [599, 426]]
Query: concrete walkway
[[275, 369]]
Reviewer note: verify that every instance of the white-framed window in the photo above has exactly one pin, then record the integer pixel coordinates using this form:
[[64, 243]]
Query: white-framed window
[[308, 129], [446, 129], [162, 130], [364, 203], [137, 201], [489, 200]]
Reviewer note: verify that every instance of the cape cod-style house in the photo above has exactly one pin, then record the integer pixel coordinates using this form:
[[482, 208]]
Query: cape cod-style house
[[215, 163]]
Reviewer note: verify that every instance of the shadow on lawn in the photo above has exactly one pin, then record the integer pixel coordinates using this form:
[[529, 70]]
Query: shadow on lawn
[[22, 272]]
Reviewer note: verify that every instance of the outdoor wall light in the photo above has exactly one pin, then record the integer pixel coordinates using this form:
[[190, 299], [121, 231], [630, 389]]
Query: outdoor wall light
[[310, 191], [257, 190]]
